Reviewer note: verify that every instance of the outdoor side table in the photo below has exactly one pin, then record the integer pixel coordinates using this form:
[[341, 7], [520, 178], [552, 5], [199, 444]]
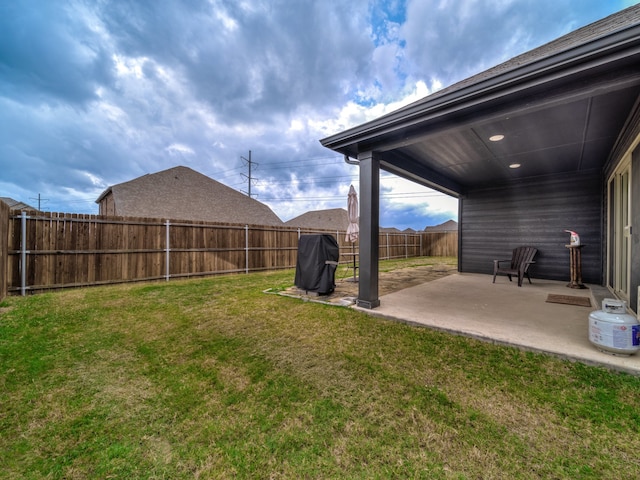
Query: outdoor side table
[[576, 266], [355, 267]]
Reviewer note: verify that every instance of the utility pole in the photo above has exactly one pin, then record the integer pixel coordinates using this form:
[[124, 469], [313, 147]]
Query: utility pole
[[40, 200], [249, 178]]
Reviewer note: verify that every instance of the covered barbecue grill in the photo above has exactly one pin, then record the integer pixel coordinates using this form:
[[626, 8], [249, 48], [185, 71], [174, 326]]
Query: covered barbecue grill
[[317, 262]]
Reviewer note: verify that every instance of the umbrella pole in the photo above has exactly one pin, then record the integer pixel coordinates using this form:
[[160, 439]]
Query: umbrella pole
[[353, 251]]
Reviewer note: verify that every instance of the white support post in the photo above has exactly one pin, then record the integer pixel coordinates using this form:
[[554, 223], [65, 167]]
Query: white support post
[[388, 255], [167, 250], [246, 249], [23, 255]]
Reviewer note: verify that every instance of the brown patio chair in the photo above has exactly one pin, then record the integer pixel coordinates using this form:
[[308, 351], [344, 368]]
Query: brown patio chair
[[521, 259]]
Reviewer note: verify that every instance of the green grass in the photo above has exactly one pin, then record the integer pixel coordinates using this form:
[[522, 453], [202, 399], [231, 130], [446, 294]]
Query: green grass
[[212, 378]]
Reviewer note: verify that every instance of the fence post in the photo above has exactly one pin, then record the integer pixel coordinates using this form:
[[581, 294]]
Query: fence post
[[388, 255], [246, 249], [167, 249], [23, 254], [406, 246]]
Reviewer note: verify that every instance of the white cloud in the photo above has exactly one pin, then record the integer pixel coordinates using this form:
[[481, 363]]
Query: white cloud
[[178, 149], [352, 113], [97, 93], [127, 66], [403, 193]]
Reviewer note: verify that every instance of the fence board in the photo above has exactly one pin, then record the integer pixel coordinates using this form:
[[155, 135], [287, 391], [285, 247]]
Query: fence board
[[12, 261], [5, 218], [440, 244], [75, 250]]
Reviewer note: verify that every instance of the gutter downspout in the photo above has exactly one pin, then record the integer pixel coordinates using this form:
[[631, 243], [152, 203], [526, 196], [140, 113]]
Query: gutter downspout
[[350, 161]]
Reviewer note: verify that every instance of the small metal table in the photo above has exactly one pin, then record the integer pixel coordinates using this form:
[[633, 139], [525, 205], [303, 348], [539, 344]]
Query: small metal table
[[354, 266]]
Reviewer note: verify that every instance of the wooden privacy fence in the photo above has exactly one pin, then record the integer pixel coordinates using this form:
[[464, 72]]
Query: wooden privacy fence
[[53, 250]]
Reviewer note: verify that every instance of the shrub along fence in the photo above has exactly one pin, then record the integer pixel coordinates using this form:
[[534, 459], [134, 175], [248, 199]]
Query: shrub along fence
[[55, 250]]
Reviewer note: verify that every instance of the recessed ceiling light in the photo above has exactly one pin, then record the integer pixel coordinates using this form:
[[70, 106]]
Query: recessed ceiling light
[[514, 165], [496, 138]]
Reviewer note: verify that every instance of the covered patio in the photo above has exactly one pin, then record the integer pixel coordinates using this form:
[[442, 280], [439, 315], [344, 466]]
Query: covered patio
[[469, 304], [545, 142]]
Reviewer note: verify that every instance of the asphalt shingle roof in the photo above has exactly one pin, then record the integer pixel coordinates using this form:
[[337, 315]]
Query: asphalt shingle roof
[[330, 219], [16, 205], [448, 226], [181, 193]]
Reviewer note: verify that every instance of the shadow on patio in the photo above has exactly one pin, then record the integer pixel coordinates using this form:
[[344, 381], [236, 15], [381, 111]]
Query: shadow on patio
[[469, 304]]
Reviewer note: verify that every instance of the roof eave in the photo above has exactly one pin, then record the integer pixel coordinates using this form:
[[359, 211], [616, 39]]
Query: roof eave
[[600, 51], [104, 194]]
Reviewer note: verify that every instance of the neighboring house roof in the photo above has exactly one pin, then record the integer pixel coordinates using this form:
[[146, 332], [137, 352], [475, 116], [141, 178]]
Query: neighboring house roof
[[16, 205], [330, 219], [560, 107], [183, 194], [448, 226]]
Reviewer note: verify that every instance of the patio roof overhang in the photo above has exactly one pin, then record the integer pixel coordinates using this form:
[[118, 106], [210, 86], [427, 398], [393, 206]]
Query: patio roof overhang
[[559, 112]]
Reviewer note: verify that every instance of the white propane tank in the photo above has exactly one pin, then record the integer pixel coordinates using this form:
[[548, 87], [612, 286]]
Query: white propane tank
[[613, 330]]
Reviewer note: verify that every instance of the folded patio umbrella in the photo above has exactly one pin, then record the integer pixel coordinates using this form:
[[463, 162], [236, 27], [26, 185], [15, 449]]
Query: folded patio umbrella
[[352, 209]]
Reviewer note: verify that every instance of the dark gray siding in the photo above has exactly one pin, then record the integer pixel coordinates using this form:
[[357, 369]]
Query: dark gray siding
[[534, 212]]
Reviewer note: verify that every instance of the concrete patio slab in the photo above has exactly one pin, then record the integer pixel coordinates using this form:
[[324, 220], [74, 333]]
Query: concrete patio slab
[[470, 304]]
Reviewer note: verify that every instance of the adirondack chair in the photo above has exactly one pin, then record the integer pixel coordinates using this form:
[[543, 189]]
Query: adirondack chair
[[519, 263]]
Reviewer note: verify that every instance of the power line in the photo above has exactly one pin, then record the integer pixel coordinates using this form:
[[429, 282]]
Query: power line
[[291, 164], [218, 175], [311, 180], [296, 183], [324, 180], [300, 161], [392, 196]]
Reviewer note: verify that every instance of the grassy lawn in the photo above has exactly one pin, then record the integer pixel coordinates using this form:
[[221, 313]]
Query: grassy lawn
[[212, 378]]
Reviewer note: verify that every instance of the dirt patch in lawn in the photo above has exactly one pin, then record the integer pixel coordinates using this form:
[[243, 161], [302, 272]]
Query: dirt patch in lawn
[[346, 291]]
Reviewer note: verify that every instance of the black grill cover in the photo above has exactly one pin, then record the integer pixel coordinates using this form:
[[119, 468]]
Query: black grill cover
[[313, 273]]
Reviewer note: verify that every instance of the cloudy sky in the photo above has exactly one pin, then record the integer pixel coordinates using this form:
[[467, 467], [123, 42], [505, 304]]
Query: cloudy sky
[[98, 92]]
